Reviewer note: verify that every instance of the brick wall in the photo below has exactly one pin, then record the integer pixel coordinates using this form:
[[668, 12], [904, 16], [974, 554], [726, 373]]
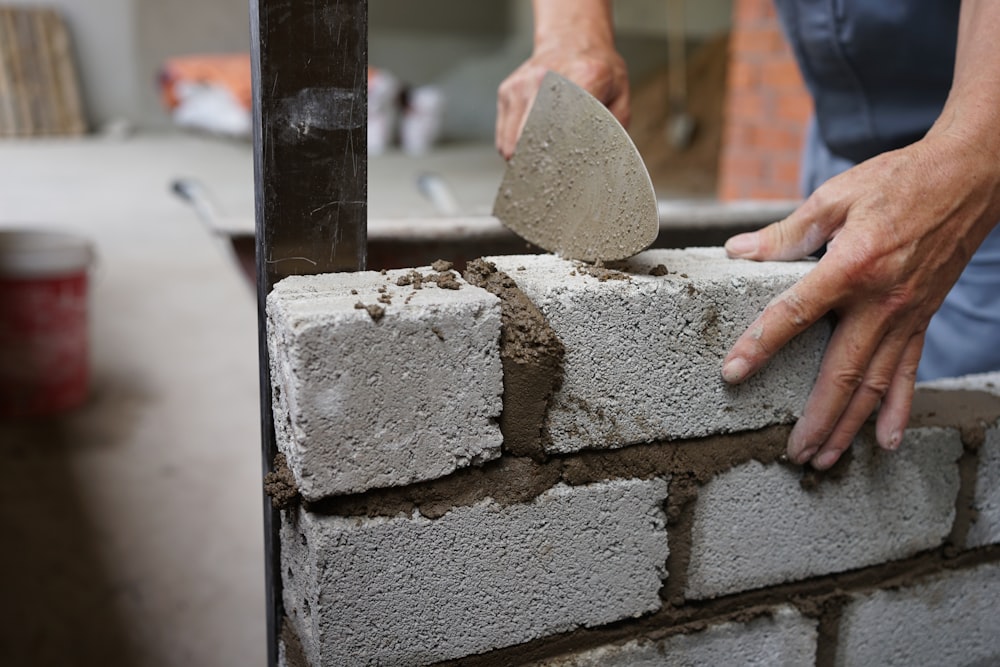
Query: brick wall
[[548, 470], [766, 109]]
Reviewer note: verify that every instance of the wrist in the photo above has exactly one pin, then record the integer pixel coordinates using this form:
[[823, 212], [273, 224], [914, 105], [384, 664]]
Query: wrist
[[573, 25]]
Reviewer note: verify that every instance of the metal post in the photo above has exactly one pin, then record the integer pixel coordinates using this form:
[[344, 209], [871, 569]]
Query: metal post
[[310, 94]]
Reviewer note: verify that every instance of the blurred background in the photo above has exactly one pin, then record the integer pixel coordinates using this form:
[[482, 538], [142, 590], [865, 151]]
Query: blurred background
[[132, 523]]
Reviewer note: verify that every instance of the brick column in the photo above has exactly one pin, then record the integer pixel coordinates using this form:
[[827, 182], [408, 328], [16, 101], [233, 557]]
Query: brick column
[[766, 111]]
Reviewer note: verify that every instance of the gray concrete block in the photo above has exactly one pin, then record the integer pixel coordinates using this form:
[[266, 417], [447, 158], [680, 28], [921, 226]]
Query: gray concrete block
[[985, 527], [412, 591], [988, 382], [755, 525], [644, 355], [950, 619], [367, 400], [784, 638]]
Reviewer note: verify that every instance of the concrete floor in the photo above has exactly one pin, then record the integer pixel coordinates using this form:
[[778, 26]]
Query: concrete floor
[[132, 528]]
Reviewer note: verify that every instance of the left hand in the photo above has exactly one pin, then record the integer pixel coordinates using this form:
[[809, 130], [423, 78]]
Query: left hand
[[901, 227]]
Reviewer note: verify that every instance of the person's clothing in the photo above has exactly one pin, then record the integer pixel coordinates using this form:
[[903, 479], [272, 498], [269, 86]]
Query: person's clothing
[[879, 72], [818, 164]]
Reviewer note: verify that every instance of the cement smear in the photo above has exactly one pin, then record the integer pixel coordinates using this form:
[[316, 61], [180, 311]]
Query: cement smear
[[280, 485], [532, 357]]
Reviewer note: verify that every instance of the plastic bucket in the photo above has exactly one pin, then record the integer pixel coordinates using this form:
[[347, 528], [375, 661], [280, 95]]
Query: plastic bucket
[[44, 351]]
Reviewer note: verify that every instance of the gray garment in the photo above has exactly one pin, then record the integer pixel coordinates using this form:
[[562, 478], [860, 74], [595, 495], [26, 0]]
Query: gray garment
[[878, 70], [964, 335]]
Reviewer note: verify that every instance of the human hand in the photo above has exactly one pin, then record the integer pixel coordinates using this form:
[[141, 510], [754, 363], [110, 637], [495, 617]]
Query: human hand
[[901, 228], [598, 70]]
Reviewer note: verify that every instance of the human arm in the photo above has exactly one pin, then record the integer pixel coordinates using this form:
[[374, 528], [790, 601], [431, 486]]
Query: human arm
[[574, 38], [901, 228]]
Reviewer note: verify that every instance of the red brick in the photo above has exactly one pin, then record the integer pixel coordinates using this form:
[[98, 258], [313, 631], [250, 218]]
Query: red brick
[[777, 139], [766, 109], [753, 12], [743, 75], [781, 74], [730, 191], [742, 105], [744, 167], [794, 107], [785, 173], [739, 136], [774, 191], [763, 41]]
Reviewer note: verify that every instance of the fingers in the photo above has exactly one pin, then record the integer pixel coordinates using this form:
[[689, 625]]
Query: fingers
[[791, 313], [858, 369], [872, 355], [620, 104], [514, 100], [895, 412], [801, 233], [599, 71]]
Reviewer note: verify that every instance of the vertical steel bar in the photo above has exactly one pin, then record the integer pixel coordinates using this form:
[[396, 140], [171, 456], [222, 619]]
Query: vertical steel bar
[[310, 94]]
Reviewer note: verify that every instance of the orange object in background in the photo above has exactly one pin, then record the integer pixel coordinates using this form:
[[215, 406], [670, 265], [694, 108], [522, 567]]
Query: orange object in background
[[228, 71]]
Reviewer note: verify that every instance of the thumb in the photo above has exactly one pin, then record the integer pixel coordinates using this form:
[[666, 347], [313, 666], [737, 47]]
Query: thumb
[[800, 234]]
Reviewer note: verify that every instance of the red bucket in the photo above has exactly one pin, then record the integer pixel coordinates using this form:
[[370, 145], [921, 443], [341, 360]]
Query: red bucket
[[44, 351]]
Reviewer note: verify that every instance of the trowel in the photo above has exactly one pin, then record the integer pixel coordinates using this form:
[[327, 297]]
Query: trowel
[[576, 186]]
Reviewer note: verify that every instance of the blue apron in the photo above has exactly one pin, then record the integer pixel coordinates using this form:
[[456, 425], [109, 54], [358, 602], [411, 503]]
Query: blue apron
[[879, 72]]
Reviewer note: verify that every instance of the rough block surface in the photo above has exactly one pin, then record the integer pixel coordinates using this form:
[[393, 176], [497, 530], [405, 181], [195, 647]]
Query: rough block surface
[[644, 354], [784, 638], [412, 591], [988, 382], [756, 526], [365, 400], [985, 528], [950, 619]]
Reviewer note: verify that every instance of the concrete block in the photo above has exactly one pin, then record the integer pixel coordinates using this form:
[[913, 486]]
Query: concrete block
[[644, 353], [988, 382], [755, 525], [985, 527], [785, 637], [962, 400], [949, 619], [412, 591], [406, 388]]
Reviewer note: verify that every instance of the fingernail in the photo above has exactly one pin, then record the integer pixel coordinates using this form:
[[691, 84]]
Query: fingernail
[[735, 370], [894, 439], [825, 460], [798, 451], [803, 456], [742, 245]]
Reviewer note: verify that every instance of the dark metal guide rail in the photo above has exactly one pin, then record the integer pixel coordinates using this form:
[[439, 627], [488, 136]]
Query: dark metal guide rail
[[310, 89]]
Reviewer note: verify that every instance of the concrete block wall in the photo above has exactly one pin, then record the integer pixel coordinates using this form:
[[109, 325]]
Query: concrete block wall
[[538, 464]]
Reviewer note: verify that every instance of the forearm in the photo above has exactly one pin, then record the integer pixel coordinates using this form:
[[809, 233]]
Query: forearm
[[972, 111], [583, 23]]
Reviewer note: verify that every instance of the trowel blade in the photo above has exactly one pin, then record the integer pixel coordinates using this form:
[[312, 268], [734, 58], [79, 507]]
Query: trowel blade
[[576, 185]]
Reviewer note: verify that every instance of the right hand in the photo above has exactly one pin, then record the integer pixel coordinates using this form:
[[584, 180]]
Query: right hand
[[598, 70]]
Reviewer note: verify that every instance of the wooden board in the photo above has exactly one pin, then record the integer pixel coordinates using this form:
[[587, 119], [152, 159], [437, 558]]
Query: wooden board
[[39, 91]]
